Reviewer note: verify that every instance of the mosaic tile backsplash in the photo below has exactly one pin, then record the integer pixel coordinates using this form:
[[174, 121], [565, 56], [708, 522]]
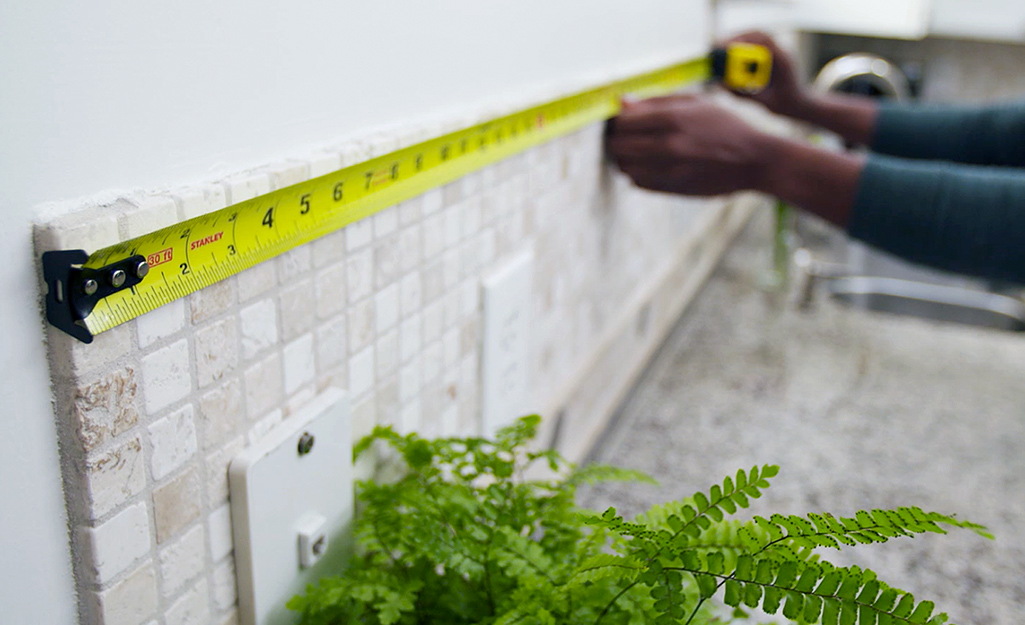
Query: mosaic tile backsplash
[[388, 309]]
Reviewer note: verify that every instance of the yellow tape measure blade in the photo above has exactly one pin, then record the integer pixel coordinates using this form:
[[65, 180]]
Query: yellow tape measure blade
[[186, 257]]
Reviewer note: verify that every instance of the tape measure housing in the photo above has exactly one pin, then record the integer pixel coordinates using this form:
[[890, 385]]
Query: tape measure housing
[[742, 66]]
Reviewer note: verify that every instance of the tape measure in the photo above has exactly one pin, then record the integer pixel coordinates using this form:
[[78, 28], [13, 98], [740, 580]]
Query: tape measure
[[743, 67], [90, 293]]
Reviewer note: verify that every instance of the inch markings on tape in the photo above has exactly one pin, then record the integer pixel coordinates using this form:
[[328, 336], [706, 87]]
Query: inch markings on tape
[[89, 294]]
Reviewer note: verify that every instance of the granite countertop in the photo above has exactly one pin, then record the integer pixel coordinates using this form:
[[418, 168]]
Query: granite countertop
[[860, 410]]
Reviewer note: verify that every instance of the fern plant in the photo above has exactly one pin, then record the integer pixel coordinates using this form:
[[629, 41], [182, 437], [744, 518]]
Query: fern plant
[[462, 537]]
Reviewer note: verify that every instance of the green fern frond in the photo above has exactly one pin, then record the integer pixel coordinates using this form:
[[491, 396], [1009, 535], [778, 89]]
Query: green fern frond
[[696, 514], [461, 538], [866, 527], [606, 566], [810, 592], [518, 433], [520, 556], [597, 473], [609, 520]]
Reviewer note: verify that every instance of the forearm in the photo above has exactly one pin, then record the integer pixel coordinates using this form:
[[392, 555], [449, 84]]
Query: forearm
[[852, 117], [961, 218], [987, 135], [821, 182]]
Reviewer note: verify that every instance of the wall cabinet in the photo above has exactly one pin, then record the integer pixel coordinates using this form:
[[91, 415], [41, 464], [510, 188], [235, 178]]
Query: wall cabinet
[[899, 19], [997, 20]]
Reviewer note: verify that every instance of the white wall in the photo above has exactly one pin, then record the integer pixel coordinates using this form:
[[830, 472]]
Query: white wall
[[128, 94]]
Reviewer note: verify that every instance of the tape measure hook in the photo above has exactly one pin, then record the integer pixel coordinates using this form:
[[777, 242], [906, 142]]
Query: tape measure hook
[[72, 291]]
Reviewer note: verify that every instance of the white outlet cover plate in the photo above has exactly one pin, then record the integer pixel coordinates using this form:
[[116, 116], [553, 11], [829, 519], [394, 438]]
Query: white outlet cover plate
[[505, 357], [274, 490]]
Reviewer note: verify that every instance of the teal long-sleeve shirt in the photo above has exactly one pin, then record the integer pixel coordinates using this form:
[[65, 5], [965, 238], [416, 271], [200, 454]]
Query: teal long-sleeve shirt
[[946, 187]]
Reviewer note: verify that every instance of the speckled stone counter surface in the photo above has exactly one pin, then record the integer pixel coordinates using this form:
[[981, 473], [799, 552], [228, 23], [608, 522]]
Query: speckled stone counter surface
[[859, 410]]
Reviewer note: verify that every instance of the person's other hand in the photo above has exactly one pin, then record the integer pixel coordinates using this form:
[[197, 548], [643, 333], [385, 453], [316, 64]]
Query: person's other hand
[[784, 95], [686, 145]]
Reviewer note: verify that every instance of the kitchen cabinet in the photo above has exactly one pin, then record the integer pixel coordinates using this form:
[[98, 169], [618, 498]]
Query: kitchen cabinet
[[898, 19], [997, 20]]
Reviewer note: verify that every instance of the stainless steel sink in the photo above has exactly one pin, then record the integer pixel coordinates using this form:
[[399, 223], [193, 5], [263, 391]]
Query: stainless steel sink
[[930, 301]]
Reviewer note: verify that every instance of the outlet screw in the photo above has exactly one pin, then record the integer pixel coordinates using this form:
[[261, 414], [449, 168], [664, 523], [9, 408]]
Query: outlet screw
[[117, 278], [90, 287], [141, 269], [305, 443]]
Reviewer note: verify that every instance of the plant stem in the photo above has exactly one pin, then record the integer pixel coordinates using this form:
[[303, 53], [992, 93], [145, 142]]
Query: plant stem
[[696, 608], [487, 575], [614, 600]]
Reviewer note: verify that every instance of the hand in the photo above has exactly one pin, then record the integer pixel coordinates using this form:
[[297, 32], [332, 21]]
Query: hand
[[687, 145], [784, 95]]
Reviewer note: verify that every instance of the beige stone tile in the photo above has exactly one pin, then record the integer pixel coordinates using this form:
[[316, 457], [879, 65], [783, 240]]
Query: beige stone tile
[[432, 281], [115, 544], [231, 619], [360, 274], [258, 327], [331, 343], [329, 249], [330, 291], [257, 281], [105, 407], [298, 363], [129, 602], [176, 504], [387, 396], [215, 469], [192, 608], [221, 413], [386, 261], [172, 441], [287, 173], [263, 382], [364, 416], [298, 308], [216, 351], [182, 560], [212, 301], [223, 580], [361, 325], [387, 354], [114, 476], [71, 358], [294, 263], [219, 529], [167, 376], [410, 250]]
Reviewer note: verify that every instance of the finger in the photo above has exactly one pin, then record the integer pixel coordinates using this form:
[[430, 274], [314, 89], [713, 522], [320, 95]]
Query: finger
[[651, 115], [637, 147], [660, 101], [640, 120], [756, 37], [654, 115], [647, 177]]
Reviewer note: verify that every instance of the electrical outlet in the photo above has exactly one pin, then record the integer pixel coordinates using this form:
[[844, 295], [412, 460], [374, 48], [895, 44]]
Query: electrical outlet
[[505, 358], [291, 508]]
